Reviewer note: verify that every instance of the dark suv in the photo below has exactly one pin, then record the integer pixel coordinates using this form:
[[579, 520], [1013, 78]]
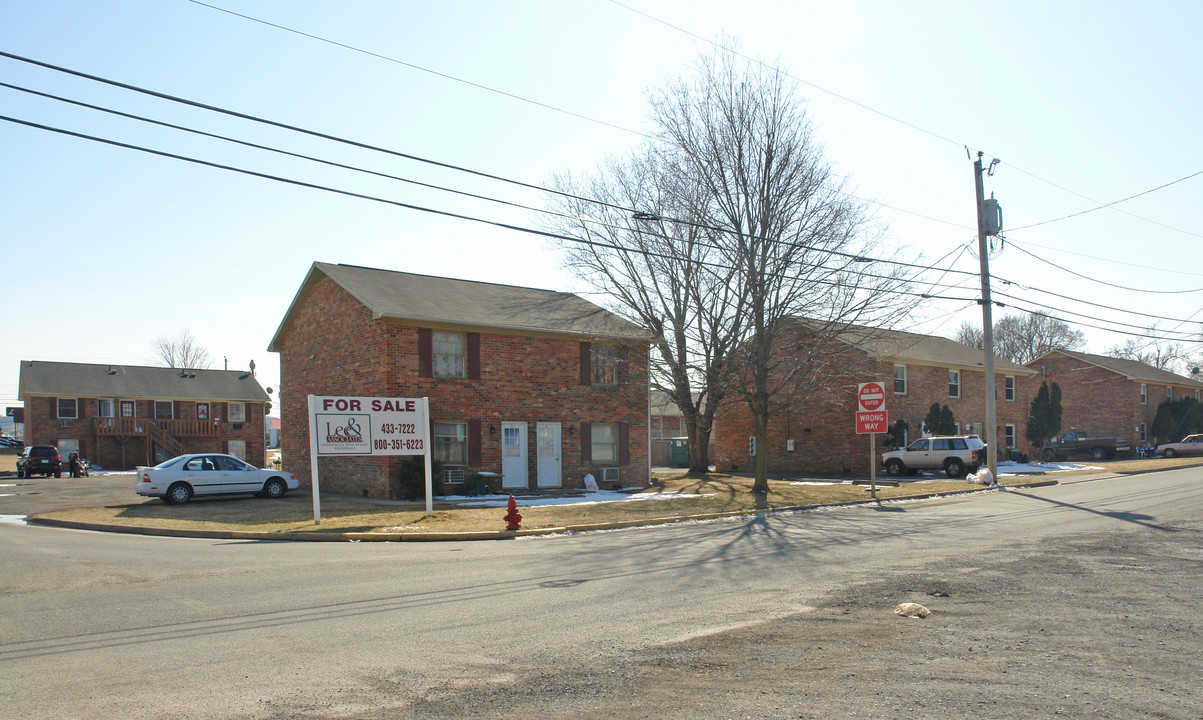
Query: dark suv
[[39, 459]]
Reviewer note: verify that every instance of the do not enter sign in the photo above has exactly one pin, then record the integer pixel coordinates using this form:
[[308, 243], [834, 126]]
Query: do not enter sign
[[871, 396]]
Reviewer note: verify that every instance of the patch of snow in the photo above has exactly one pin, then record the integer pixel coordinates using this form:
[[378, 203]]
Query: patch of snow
[[588, 498], [1008, 467], [13, 519]]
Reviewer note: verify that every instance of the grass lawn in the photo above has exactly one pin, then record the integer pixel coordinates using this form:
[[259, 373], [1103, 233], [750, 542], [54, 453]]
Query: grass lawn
[[714, 494]]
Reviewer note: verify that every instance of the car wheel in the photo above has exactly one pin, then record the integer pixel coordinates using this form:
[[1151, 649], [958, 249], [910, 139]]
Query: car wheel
[[178, 494], [1170, 452], [954, 468], [20, 473], [895, 468], [1049, 456], [1098, 453], [274, 488], [57, 474]]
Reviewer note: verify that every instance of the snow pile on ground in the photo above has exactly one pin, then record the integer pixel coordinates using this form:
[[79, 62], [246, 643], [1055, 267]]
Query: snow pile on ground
[[588, 498]]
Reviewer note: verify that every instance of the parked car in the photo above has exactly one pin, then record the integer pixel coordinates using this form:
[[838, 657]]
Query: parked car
[[1190, 445], [177, 480], [1076, 442], [956, 456], [7, 441], [39, 460]]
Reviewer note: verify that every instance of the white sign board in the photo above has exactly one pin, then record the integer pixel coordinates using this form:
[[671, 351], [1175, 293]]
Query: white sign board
[[351, 426], [370, 426]]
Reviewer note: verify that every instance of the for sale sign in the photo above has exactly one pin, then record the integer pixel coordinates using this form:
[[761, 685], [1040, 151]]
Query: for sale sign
[[370, 426]]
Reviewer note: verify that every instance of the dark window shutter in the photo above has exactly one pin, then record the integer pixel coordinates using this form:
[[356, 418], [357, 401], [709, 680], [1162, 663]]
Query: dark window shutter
[[586, 364], [624, 443], [175, 409], [474, 443], [54, 408], [586, 444], [623, 356], [425, 353], [225, 411], [473, 356]]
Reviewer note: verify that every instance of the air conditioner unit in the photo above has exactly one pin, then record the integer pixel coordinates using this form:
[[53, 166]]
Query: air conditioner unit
[[452, 477], [68, 423], [608, 475]]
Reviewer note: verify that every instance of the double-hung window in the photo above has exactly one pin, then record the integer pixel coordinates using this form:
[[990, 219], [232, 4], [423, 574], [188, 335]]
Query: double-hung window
[[237, 412], [1009, 387], [604, 365], [900, 379], [448, 350], [68, 408], [954, 383], [164, 410], [604, 440], [450, 443]]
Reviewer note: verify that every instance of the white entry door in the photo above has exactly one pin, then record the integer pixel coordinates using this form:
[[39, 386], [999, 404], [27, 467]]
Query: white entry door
[[547, 445], [514, 473]]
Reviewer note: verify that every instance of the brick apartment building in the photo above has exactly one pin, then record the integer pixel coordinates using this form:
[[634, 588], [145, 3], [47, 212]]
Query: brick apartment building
[[1110, 397], [120, 416], [815, 433], [534, 387]]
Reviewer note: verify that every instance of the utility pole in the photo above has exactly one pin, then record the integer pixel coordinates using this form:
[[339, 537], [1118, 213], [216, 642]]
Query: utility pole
[[983, 252]]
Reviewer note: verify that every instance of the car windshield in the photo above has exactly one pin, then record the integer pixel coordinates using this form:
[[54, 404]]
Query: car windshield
[[169, 463]]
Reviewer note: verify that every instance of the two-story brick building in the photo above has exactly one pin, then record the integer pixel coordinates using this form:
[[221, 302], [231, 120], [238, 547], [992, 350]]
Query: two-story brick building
[[814, 431], [119, 416], [536, 387], [1105, 396]]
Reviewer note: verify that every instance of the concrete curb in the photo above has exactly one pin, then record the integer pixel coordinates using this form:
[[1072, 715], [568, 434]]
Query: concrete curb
[[318, 536]]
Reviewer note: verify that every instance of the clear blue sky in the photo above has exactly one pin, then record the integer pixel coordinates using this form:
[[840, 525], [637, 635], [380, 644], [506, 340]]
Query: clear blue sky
[[105, 248]]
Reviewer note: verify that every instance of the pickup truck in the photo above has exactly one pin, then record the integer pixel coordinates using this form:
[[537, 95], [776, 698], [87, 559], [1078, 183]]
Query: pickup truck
[[1075, 443]]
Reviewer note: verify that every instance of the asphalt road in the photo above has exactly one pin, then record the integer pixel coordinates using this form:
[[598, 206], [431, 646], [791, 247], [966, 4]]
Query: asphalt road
[[626, 623]]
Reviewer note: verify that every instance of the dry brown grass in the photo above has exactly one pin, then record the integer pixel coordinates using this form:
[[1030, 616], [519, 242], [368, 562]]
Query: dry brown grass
[[720, 494]]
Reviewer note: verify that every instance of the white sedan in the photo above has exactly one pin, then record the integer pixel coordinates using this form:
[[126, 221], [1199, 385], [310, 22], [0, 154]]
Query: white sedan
[[180, 478]]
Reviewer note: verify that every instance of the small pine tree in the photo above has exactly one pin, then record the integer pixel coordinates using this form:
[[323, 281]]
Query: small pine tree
[[940, 420], [1044, 416]]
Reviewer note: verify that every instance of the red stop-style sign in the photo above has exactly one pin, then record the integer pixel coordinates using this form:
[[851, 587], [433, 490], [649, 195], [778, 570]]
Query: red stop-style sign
[[871, 396]]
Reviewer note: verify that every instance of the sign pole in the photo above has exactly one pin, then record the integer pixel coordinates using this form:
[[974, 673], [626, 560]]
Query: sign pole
[[873, 465], [317, 499], [429, 464]]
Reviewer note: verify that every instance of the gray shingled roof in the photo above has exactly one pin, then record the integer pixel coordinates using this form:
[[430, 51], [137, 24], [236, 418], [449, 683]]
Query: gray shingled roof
[[130, 382], [425, 300], [901, 346], [1131, 369]]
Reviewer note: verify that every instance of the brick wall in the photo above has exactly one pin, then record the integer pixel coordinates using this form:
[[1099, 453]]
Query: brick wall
[[822, 427], [335, 347], [1101, 402], [43, 427]]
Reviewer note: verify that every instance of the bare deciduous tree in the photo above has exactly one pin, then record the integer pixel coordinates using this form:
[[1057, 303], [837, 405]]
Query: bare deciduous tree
[[1163, 356], [181, 351], [748, 234], [1023, 338]]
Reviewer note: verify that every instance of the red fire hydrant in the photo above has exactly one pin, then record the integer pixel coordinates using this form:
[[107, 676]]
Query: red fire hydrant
[[512, 518]]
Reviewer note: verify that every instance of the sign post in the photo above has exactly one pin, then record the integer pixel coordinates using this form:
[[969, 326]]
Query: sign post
[[356, 426], [871, 418]]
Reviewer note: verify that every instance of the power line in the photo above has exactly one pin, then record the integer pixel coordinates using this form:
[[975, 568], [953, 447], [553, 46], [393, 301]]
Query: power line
[[1117, 202], [1103, 282], [419, 68]]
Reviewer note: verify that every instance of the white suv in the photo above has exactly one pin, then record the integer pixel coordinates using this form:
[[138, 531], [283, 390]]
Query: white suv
[[956, 456]]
